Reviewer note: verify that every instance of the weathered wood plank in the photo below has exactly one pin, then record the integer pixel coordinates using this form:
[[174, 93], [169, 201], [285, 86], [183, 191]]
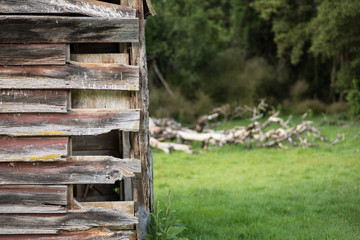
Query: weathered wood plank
[[81, 76], [86, 7], [94, 234], [40, 101], [54, 29], [74, 220], [76, 122], [24, 209], [83, 99], [33, 149], [122, 206], [32, 54], [114, 58], [78, 170], [33, 195]]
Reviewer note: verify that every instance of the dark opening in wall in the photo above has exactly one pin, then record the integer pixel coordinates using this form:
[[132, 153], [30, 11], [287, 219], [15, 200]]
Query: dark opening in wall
[[79, 48]]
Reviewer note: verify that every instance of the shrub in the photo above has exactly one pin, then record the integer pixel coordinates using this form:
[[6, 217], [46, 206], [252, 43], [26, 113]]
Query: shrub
[[162, 105], [163, 224], [353, 98], [298, 90], [310, 105], [337, 108]]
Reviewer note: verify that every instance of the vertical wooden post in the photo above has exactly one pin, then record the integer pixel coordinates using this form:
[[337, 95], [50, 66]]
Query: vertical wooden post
[[140, 140]]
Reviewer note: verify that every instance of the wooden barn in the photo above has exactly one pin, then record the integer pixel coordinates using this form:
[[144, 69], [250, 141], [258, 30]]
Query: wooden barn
[[74, 143]]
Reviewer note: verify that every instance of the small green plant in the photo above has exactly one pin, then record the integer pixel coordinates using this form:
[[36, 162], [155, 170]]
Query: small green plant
[[163, 223]]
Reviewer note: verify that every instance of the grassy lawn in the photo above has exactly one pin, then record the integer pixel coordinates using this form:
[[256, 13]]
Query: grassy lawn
[[236, 193]]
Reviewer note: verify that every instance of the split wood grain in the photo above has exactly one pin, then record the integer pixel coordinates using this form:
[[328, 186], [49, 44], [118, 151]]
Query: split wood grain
[[32, 54], [78, 170], [122, 206], [33, 149], [76, 122], [74, 220], [55, 29], [30, 195], [94, 234], [86, 7], [81, 76], [40, 101]]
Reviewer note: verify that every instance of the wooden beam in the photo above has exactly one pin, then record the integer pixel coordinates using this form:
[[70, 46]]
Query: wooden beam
[[80, 76], [33, 149], [78, 170], [55, 29], [74, 220], [93, 234], [40, 101], [86, 7], [32, 54], [33, 194], [76, 122]]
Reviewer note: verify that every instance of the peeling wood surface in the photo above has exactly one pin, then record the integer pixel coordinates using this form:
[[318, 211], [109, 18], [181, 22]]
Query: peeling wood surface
[[114, 58], [45, 101], [31, 195], [77, 122], [32, 54], [55, 29], [86, 7], [81, 76], [78, 170], [33, 149], [93, 234], [74, 220], [122, 206]]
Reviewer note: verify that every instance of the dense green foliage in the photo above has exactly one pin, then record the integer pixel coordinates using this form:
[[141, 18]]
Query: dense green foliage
[[243, 50], [237, 193]]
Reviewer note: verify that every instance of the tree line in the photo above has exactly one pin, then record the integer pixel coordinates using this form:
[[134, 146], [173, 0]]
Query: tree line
[[298, 54]]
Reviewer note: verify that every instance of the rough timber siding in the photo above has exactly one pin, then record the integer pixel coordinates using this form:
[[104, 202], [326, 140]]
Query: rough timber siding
[[73, 120]]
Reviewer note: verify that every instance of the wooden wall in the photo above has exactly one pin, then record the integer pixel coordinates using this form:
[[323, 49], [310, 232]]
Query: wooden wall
[[74, 154]]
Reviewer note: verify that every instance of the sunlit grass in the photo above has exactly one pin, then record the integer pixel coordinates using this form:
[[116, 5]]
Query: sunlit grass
[[236, 193]]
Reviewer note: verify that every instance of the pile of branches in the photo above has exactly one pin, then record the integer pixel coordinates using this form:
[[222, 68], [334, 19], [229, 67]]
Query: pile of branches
[[256, 134]]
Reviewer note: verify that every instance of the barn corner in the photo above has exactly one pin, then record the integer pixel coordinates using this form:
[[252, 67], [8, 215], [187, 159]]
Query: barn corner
[[74, 140]]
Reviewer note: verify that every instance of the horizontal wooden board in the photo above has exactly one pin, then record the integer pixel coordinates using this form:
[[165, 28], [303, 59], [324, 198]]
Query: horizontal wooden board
[[113, 58], [40, 101], [94, 234], [85, 7], [54, 29], [78, 170], [32, 54], [74, 220], [122, 206], [76, 122], [81, 76], [100, 99], [24, 209], [33, 195], [33, 149]]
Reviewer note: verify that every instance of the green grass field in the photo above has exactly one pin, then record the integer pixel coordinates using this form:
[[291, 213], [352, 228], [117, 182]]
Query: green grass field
[[237, 193]]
